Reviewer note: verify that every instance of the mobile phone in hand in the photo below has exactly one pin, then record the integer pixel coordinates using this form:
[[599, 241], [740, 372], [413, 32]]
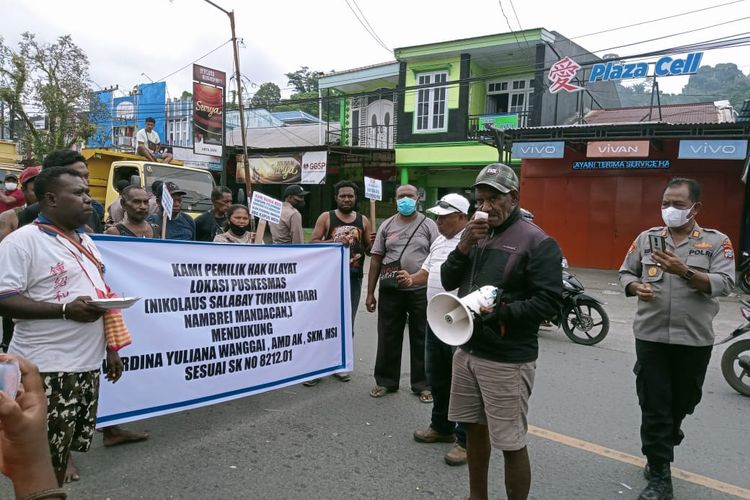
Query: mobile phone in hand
[[10, 377], [657, 242]]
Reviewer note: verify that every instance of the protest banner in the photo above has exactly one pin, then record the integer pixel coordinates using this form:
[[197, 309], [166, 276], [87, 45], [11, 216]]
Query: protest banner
[[221, 322], [265, 208]]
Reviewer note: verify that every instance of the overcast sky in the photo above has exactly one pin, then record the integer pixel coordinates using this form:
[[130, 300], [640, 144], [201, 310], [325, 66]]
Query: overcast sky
[[125, 40]]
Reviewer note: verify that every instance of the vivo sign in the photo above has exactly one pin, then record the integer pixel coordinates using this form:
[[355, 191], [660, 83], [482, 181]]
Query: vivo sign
[[665, 66], [713, 150], [538, 149]]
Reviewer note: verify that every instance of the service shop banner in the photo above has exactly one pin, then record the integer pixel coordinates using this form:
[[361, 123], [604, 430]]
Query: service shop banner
[[218, 322], [307, 167]]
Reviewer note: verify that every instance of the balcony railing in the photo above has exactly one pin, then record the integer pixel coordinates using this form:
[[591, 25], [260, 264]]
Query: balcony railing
[[373, 136], [479, 125]]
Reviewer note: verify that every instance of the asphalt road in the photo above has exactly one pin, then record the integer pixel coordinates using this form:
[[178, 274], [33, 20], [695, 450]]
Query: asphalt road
[[333, 441]]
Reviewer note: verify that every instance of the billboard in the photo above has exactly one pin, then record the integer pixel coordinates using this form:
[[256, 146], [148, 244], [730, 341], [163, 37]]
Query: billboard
[[208, 110], [307, 167]]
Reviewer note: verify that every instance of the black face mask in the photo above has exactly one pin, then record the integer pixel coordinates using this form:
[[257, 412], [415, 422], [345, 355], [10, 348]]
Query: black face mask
[[238, 230], [299, 205]]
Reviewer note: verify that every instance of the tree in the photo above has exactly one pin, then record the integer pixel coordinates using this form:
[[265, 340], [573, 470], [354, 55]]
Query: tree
[[303, 80], [186, 95], [51, 80], [267, 95], [723, 81]]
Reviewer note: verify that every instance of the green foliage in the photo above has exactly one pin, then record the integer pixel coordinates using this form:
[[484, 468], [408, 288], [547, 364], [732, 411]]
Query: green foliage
[[51, 80], [303, 80], [268, 95]]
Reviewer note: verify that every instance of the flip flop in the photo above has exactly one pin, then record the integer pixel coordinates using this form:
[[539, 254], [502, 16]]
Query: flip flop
[[425, 396], [379, 392]]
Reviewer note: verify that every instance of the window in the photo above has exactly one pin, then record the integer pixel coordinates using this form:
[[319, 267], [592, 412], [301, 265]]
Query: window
[[513, 96], [431, 103]]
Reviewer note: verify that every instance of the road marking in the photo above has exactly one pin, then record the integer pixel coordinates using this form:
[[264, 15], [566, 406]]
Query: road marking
[[640, 462]]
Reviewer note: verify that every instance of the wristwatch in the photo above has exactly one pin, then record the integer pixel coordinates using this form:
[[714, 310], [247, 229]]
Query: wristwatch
[[688, 274]]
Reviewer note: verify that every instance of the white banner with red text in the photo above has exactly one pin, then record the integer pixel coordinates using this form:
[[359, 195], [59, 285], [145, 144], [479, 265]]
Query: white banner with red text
[[218, 322]]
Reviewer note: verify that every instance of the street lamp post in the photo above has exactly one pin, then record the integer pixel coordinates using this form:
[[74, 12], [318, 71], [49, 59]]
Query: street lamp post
[[246, 163]]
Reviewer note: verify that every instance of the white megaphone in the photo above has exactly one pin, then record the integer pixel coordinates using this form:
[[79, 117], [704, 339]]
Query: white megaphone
[[452, 319]]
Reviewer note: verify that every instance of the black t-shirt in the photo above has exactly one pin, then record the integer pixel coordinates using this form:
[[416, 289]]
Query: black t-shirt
[[30, 213], [207, 226], [356, 232]]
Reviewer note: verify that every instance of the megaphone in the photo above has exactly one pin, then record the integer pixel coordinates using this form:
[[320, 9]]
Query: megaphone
[[452, 319]]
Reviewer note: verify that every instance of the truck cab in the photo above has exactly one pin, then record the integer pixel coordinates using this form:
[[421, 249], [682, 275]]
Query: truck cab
[[107, 168]]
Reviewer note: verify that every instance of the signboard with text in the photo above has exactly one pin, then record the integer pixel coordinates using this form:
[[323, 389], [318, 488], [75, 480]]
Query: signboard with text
[[713, 149], [209, 86], [373, 189], [307, 167], [621, 164], [539, 149], [617, 149], [265, 208], [499, 121], [217, 322]]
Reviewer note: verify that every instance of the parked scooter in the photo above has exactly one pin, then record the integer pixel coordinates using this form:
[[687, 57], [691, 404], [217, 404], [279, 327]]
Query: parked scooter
[[582, 317], [735, 362], [743, 277]]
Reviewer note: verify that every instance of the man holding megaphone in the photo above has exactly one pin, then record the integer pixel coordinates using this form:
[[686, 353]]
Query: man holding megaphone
[[493, 372]]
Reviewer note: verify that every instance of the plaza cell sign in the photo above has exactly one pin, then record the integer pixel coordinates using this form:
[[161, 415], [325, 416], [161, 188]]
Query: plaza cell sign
[[562, 73], [539, 149], [713, 150]]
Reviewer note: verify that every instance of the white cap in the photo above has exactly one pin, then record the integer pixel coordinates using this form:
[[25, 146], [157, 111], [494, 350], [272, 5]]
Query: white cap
[[451, 204]]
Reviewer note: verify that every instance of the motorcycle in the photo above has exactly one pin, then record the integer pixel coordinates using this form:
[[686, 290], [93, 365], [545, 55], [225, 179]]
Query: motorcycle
[[744, 273], [582, 317], [735, 362]]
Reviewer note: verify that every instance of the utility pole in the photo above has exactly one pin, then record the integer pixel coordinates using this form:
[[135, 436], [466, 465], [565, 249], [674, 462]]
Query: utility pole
[[246, 162]]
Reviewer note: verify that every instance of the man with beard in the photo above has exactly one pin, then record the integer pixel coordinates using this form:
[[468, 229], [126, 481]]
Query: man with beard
[[53, 270], [212, 223], [289, 228], [352, 229], [134, 201]]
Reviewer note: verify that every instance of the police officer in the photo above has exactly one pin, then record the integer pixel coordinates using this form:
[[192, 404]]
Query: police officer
[[677, 272]]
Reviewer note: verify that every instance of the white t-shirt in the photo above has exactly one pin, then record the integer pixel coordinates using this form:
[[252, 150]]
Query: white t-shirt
[[438, 254], [47, 268], [146, 137]]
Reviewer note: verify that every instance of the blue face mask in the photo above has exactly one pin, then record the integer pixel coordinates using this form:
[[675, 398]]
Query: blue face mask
[[406, 206]]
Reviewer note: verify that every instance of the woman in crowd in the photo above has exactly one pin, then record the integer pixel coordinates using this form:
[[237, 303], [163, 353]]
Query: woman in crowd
[[238, 226]]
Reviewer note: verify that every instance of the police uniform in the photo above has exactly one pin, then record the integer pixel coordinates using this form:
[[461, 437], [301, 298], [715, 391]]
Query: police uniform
[[674, 331]]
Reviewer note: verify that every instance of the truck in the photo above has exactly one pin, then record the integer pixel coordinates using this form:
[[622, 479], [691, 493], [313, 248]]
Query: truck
[[107, 168]]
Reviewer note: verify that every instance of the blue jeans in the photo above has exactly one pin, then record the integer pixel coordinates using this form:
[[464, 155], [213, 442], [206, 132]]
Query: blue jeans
[[438, 365]]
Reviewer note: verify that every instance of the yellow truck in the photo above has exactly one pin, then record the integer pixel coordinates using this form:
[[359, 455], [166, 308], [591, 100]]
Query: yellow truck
[[9, 159], [107, 168]]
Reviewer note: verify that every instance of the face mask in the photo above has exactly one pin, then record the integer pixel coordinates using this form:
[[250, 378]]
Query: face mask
[[406, 206], [10, 186], [238, 230], [674, 217], [299, 205]]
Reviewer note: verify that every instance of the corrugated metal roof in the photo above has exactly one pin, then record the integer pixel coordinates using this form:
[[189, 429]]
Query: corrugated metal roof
[[290, 136], [702, 112]]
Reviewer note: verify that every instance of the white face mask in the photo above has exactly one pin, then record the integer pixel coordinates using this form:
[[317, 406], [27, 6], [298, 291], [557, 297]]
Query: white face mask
[[674, 217], [10, 186]]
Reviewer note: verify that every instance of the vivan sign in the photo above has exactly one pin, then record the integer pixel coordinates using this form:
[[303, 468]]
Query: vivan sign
[[539, 149], [713, 150], [617, 149]]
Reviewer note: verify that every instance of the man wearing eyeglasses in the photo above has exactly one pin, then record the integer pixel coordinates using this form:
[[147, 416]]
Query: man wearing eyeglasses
[[498, 362], [452, 215]]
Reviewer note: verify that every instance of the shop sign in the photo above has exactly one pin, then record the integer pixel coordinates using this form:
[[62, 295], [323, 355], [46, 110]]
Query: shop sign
[[500, 121], [664, 66], [621, 164], [309, 167], [617, 149], [713, 150], [539, 149]]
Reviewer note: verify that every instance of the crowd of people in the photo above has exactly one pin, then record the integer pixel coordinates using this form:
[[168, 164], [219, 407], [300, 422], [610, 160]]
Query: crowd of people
[[479, 391]]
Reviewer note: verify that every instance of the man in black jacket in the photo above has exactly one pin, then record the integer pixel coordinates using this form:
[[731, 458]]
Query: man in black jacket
[[493, 373]]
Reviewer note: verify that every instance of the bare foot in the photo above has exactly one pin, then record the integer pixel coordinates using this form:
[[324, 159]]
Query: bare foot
[[115, 435], [71, 472]]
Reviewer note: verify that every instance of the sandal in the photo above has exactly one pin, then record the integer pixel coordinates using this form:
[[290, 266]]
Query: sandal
[[425, 396], [379, 392]]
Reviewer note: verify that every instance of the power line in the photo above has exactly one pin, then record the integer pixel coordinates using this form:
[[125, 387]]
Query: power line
[[655, 20], [507, 21], [371, 33], [380, 40], [518, 22], [195, 61]]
